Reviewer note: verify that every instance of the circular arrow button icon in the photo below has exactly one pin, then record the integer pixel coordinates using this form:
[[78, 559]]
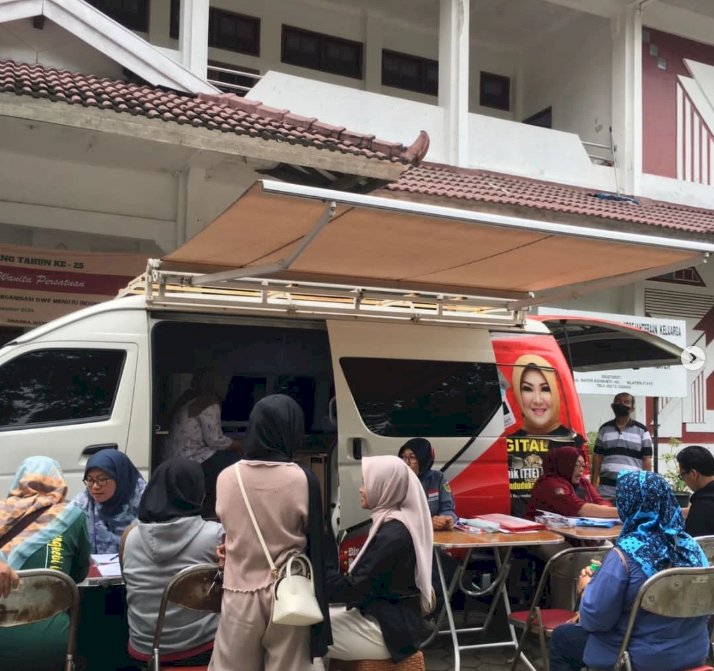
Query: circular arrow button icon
[[693, 357]]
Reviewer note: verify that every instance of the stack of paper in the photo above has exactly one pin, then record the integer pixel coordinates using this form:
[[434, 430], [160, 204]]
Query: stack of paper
[[107, 565], [605, 522]]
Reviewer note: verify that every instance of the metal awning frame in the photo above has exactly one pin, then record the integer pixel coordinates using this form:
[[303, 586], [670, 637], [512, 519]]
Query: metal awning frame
[[518, 302], [175, 290]]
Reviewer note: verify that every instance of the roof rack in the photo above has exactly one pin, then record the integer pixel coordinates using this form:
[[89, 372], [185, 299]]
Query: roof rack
[[174, 290]]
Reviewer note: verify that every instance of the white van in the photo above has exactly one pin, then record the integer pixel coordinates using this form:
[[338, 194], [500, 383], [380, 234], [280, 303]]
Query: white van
[[370, 368], [106, 376]]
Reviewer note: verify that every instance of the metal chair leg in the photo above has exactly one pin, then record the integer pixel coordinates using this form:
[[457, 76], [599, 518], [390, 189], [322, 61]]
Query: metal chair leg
[[522, 640], [541, 638]]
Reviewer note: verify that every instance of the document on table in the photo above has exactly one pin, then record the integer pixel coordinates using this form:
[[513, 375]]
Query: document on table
[[107, 565], [606, 522], [554, 520]]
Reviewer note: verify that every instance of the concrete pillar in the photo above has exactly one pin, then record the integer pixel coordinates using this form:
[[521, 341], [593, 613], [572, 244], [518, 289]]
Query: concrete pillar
[[193, 36], [190, 207], [626, 29], [454, 78], [374, 41]]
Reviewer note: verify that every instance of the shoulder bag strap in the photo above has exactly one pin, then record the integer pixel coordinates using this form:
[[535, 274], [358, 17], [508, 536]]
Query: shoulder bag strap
[[273, 568], [20, 526]]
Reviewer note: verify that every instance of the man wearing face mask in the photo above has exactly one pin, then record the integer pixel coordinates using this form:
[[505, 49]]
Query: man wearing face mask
[[622, 444]]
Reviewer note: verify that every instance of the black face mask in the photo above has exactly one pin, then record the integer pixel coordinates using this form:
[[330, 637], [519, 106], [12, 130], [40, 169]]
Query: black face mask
[[620, 409]]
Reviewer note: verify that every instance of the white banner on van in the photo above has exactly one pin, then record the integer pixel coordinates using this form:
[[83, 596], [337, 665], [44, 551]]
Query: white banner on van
[[666, 381]]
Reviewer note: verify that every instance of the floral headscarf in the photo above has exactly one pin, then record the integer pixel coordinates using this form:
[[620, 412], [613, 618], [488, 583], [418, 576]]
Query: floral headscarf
[[38, 484], [652, 524]]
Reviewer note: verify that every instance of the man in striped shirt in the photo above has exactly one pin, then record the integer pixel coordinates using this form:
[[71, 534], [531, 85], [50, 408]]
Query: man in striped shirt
[[622, 444]]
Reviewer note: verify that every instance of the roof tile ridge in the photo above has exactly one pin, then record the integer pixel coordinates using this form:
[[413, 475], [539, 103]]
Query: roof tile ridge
[[246, 105], [418, 149]]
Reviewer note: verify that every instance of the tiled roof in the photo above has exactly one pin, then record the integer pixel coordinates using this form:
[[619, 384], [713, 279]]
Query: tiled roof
[[440, 181], [222, 112]]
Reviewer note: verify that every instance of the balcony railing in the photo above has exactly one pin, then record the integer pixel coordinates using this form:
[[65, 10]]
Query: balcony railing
[[232, 80], [599, 154], [695, 142]]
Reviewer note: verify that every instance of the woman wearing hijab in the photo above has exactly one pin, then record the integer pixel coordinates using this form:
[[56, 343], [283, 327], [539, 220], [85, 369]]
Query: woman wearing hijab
[[562, 489], [195, 431], [388, 586], [652, 539], [286, 501], [111, 498], [169, 537], [38, 529], [418, 454]]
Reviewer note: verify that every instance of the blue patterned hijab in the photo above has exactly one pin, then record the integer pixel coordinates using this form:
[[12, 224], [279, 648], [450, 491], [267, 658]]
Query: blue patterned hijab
[[653, 527], [106, 521]]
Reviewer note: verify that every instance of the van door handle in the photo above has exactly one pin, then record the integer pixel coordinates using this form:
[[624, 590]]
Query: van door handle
[[93, 449], [357, 448]]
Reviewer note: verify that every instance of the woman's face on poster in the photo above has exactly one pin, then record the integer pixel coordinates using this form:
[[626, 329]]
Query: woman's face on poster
[[537, 399]]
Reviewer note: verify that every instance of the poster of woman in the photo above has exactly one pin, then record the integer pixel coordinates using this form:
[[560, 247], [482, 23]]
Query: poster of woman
[[538, 401]]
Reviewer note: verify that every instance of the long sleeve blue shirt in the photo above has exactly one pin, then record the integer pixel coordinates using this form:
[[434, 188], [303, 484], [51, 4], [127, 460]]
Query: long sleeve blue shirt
[[657, 643], [438, 494]]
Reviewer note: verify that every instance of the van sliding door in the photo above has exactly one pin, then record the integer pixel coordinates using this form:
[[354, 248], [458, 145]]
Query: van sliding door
[[394, 382]]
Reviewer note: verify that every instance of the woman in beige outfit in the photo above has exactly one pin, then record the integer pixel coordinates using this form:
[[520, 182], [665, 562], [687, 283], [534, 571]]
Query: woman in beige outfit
[[286, 502]]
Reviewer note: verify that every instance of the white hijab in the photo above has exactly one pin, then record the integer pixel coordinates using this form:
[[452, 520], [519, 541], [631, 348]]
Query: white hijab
[[393, 492]]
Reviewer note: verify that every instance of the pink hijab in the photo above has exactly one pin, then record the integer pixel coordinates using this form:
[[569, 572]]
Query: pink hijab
[[393, 492]]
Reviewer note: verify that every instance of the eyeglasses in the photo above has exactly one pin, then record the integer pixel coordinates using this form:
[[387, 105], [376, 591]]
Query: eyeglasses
[[411, 459], [683, 473], [101, 481]]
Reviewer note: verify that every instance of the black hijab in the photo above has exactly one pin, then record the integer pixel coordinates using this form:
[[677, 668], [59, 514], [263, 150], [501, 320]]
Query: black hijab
[[423, 451], [276, 429], [175, 490]]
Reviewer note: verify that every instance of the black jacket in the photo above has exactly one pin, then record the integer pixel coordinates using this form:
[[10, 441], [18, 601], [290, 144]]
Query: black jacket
[[383, 586], [700, 519], [321, 633]]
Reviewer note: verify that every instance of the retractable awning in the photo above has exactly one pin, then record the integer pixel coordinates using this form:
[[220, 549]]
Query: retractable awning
[[293, 232]]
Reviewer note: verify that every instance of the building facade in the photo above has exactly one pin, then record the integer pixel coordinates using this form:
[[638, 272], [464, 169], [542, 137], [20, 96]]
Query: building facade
[[585, 110]]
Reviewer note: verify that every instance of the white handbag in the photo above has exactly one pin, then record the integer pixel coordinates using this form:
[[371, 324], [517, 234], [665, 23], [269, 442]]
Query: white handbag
[[294, 601]]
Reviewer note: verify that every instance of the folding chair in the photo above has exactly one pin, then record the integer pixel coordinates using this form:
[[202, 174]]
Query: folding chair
[[674, 592], [567, 565], [196, 588], [41, 594], [707, 544]]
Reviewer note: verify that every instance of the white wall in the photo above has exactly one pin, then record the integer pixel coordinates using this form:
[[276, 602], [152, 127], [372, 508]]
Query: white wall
[[56, 183], [495, 144], [677, 191], [571, 70], [375, 30], [54, 47]]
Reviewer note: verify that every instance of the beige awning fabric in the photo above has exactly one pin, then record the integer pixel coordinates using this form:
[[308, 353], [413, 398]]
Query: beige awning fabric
[[379, 242]]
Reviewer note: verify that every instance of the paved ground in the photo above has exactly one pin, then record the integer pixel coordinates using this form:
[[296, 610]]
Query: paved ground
[[440, 657], [440, 653]]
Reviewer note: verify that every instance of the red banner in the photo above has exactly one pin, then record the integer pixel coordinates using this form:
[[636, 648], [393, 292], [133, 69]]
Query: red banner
[[38, 285]]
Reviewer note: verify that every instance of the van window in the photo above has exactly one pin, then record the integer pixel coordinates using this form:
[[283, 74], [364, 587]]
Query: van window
[[59, 385], [408, 397]]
